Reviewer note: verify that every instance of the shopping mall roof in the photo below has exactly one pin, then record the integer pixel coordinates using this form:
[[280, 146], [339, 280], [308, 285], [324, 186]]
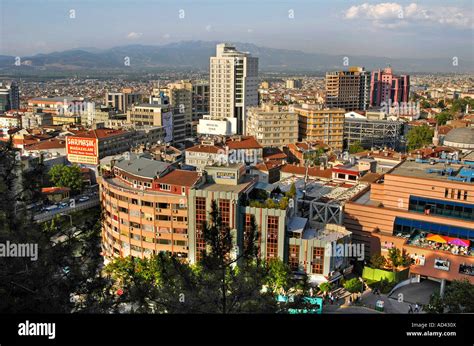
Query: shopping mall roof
[[443, 170]]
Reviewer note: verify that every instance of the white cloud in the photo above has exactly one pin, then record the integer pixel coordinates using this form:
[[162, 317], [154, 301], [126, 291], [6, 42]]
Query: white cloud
[[134, 35], [392, 14]]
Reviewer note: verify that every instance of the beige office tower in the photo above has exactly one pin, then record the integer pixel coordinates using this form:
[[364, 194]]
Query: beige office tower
[[180, 96], [234, 84], [319, 124], [348, 89], [272, 125], [121, 101], [293, 84]]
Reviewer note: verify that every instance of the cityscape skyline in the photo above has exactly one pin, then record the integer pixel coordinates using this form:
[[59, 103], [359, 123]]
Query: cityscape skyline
[[160, 158]]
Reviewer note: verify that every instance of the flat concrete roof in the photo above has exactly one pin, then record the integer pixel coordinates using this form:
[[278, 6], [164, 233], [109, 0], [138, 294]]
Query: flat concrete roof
[[364, 199], [143, 167], [422, 170], [228, 188]]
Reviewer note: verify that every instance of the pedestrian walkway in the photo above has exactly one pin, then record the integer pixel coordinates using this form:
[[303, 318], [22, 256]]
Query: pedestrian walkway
[[365, 304], [417, 293]]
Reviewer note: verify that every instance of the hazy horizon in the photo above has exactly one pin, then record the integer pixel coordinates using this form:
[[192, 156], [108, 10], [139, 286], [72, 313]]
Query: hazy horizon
[[425, 29]]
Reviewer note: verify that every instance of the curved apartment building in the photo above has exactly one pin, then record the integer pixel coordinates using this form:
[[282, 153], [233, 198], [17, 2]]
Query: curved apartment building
[[145, 208]]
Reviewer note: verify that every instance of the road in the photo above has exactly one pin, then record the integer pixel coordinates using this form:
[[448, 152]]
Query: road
[[49, 215]]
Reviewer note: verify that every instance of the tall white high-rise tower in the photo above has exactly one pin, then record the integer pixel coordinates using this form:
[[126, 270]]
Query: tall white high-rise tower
[[233, 85]]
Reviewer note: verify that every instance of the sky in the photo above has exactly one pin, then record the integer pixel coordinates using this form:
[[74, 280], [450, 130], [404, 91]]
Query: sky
[[422, 29]]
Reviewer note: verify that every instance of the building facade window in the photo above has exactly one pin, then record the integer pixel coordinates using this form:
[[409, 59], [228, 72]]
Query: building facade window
[[272, 237], [318, 260], [293, 257], [224, 207], [451, 209], [200, 218]]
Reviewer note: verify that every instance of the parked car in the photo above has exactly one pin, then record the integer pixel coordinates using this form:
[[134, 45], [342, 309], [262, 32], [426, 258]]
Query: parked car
[[83, 199], [51, 207]]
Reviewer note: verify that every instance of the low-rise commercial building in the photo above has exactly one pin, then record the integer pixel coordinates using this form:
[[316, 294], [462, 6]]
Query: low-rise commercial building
[[224, 150], [373, 133], [317, 124], [272, 125], [424, 207]]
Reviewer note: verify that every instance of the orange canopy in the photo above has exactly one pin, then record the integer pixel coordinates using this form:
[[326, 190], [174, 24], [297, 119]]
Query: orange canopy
[[436, 238]]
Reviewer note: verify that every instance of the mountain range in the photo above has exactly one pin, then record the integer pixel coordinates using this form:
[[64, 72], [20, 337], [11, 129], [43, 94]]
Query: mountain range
[[195, 55]]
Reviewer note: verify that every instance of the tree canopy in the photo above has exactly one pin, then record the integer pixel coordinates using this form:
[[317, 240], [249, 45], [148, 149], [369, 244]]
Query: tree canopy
[[419, 136], [458, 298], [354, 285], [66, 176], [68, 259], [355, 147], [443, 117]]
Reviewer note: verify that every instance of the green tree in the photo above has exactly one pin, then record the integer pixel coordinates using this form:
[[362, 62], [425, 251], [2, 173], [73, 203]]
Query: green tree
[[278, 275], [459, 105], [443, 117], [270, 203], [67, 176], [292, 192], [419, 136], [458, 298], [325, 287], [377, 261], [159, 284], [220, 282], [436, 304], [425, 104], [398, 258], [354, 285], [237, 288], [67, 258], [355, 147], [313, 157], [284, 202]]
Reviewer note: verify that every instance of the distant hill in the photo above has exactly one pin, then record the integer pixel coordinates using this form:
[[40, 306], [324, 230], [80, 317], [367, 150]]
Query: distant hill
[[195, 55]]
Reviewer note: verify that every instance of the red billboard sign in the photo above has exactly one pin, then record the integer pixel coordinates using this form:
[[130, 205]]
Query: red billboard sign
[[82, 150]]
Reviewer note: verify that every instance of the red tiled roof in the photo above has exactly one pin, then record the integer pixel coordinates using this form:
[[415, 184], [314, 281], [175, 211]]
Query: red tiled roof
[[274, 154], [385, 154], [26, 141], [212, 149], [180, 177], [48, 144], [277, 156], [99, 133], [442, 130], [248, 142], [266, 166]]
